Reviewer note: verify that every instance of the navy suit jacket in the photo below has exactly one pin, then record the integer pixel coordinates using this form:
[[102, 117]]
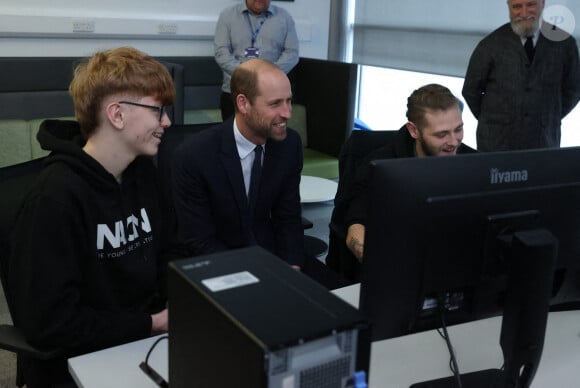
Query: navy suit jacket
[[211, 202]]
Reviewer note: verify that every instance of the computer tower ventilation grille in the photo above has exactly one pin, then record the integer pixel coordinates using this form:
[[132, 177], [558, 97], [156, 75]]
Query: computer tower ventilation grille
[[329, 375]]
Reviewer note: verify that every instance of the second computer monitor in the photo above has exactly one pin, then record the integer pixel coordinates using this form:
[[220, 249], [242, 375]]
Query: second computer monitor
[[469, 236]]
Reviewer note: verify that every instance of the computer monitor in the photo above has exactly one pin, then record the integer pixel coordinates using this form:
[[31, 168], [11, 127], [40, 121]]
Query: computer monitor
[[472, 236]]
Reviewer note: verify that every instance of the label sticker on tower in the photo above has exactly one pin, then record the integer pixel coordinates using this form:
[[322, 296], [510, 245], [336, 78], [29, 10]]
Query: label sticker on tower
[[233, 280]]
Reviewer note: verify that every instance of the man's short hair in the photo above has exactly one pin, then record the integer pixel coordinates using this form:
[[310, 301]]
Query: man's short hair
[[245, 79], [125, 71], [433, 97]]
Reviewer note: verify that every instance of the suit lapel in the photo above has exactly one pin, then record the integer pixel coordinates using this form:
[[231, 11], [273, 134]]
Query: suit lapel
[[231, 162], [542, 45], [273, 159], [516, 42]]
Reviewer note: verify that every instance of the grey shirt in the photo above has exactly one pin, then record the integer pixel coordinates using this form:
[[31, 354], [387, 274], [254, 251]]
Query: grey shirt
[[275, 38]]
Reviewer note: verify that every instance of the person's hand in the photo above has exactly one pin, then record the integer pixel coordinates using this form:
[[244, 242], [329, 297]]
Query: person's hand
[[160, 322], [355, 240]]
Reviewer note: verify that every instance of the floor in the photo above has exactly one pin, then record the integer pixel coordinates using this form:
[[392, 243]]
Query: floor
[[317, 213]]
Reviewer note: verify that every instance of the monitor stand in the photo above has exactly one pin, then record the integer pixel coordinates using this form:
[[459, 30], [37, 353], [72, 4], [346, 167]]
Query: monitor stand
[[532, 256]]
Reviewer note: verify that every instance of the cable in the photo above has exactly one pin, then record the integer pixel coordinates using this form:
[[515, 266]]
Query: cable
[[149, 371], [452, 361]]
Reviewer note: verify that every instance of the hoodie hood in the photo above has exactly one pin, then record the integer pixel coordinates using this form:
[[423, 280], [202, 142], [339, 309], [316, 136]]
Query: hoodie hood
[[65, 141], [60, 136]]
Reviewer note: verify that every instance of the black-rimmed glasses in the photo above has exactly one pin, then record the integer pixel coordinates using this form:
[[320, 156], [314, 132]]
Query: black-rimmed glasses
[[159, 109]]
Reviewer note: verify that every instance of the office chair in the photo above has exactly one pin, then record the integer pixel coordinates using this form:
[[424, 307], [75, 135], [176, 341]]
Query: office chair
[[15, 182], [355, 149], [172, 138], [177, 111]]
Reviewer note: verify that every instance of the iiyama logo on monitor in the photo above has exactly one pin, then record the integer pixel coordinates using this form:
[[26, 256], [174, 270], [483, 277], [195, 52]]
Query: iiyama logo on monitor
[[498, 177]]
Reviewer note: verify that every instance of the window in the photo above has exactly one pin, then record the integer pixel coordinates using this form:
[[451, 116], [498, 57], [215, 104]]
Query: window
[[383, 102]]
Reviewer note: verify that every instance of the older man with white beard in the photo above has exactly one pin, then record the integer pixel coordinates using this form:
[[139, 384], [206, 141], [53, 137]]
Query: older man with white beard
[[522, 79]]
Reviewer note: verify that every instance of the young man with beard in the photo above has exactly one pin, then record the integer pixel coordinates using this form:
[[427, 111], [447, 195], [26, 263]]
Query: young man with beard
[[214, 172], [522, 80], [434, 128]]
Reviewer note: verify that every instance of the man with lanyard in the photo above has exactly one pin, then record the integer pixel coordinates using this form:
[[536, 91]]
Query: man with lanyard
[[253, 29]]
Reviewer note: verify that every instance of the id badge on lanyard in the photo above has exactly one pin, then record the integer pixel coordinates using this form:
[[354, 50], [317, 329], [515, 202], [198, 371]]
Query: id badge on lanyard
[[254, 52]]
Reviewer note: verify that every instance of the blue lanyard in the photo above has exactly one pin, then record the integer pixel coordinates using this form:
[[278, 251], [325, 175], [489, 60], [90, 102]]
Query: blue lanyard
[[257, 31]]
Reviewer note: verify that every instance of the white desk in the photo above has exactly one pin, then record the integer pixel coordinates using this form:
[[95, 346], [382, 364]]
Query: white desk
[[397, 362], [119, 366], [316, 189]]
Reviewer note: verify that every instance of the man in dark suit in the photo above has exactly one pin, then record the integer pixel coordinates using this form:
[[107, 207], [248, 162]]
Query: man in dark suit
[[214, 172], [522, 79]]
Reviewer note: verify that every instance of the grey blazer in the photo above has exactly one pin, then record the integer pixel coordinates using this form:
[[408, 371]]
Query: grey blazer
[[518, 104]]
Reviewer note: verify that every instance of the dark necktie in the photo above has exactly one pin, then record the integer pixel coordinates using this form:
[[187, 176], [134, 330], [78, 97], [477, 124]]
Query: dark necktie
[[255, 177], [529, 47]]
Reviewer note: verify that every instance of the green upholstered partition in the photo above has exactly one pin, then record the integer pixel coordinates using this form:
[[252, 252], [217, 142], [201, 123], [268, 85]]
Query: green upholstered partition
[[15, 142], [201, 116], [35, 88]]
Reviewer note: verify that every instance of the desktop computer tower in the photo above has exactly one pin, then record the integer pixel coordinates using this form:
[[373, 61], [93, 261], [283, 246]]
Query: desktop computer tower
[[245, 318]]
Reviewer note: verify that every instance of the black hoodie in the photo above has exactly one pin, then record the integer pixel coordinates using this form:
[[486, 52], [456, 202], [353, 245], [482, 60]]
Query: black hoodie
[[89, 255]]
